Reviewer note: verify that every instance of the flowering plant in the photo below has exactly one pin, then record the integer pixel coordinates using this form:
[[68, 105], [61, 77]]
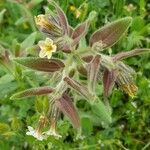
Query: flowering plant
[[77, 61]]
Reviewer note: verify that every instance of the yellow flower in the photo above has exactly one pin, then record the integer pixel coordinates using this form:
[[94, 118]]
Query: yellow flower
[[72, 8], [76, 11], [47, 48]]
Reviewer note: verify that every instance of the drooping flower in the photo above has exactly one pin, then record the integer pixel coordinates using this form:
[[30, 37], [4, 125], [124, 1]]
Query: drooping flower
[[123, 76], [52, 130], [35, 133], [125, 79], [47, 48]]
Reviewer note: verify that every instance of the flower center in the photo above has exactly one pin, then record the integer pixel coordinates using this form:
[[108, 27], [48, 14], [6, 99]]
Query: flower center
[[48, 47]]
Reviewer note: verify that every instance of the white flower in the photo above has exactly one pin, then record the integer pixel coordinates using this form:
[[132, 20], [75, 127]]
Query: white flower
[[53, 133], [35, 133], [47, 48]]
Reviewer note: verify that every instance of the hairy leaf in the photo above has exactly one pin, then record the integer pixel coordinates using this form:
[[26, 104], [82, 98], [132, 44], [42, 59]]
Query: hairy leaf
[[62, 17], [33, 92], [40, 64], [79, 32], [66, 106], [124, 55], [111, 33], [102, 112], [78, 87], [93, 70], [109, 78]]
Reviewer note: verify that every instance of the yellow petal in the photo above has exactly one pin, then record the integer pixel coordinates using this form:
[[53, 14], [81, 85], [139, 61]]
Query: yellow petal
[[54, 48], [42, 54], [49, 55]]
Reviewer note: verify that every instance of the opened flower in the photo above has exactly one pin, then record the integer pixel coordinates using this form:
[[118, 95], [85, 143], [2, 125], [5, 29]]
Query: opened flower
[[47, 48]]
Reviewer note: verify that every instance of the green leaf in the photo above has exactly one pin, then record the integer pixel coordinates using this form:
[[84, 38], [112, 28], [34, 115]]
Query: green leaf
[[40, 64], [2, 15], [87, 126], [29, 41], [39, 105], [111, 33], [4, 128], [100, 110]]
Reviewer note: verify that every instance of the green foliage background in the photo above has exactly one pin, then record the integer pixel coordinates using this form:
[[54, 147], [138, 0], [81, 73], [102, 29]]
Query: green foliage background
[[131, 117]]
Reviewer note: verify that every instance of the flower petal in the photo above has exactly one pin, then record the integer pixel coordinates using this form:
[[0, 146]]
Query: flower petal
[[42, 54], [54, 48], [49, 41]]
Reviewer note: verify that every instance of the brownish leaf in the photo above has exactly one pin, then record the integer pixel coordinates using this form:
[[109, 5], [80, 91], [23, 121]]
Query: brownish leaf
[[78, 87], [66, 106], [40, 64], [109, 79], [79, 32], [62, 17], [111, 33], [124, 55], [93, 70], [33, 92]]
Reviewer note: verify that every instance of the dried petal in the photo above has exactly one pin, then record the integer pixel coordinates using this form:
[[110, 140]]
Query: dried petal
[[33, 92], [66, 106], [40, 64], [125, 80], [111, 33]]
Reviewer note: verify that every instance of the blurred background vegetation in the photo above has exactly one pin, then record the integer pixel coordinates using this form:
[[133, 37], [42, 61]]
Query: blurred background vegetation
[[131, 117]]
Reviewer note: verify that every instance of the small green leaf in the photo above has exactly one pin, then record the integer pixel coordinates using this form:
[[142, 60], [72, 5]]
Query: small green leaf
[[2, 15], [29, 41], [39, 105], [40, 64], [87, 126]]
